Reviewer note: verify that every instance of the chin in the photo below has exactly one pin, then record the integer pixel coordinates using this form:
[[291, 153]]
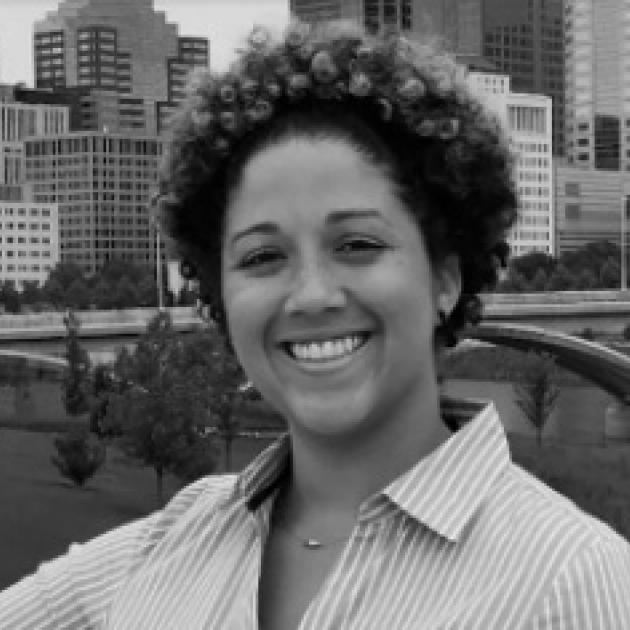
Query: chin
[[329, 418]]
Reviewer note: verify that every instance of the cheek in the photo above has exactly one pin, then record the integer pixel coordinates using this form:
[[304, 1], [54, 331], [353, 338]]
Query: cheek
[[247, 308]]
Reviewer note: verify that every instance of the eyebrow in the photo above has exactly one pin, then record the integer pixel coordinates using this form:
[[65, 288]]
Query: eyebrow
[[267, 227], [334, 217], [338, 216]]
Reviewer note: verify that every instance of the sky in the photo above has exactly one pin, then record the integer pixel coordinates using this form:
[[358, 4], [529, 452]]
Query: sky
[[224, 22]]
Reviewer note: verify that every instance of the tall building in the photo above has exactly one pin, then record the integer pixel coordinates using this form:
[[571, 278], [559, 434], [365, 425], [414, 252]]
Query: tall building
[[588, 206], [598, 83], [525, 39], [527, 120], [102, 184], [29, 241], [19, 121], [118, 46], [457, 21], [322, 10]]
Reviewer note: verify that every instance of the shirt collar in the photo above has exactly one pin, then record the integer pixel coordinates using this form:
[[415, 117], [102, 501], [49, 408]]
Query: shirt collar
[[443, 490]]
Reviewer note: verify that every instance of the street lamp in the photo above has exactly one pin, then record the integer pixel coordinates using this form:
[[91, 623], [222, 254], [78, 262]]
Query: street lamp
[[624, 271], [155, 224]]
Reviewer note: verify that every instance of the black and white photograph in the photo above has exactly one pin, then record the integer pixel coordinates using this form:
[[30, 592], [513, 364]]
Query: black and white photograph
[[314, 315]]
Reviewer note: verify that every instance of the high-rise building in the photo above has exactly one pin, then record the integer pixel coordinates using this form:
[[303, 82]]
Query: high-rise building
[[102, 184], [527, 120], [322, 10], [525, 39], [29, 241], [118, 46], [589, 205], [457, 21], [598, 83], [19, 121]]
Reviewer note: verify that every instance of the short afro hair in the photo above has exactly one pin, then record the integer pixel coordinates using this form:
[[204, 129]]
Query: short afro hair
[[404, 104]]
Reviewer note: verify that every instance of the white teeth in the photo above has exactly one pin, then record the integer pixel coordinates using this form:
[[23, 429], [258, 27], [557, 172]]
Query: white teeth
[[326, 350]]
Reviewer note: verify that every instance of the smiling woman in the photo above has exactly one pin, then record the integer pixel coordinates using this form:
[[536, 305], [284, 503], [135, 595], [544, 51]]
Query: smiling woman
[[342, 200]]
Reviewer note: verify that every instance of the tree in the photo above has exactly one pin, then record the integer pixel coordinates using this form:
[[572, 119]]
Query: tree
[[539, 281], [101, 294], [77, 295], [54, 292], [529, 264], [176, 391], [10, 298], [125, 294], [537, 394], [586, 280], [76, 378], [147, 291], [78, 457], [610, 274], [65, 273], [514, 283], [31, 293], [560, 279]]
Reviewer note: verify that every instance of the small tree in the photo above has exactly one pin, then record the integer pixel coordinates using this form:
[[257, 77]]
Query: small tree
[[76, 395], [539, 281], [78, 456], [537, 394], [77, 294], [172, 388], [560, 280], [10, 298]]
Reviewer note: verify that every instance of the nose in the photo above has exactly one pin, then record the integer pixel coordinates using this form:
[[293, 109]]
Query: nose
[[314, 289]]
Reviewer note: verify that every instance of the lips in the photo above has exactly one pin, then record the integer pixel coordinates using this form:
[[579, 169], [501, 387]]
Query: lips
[[321, 350]]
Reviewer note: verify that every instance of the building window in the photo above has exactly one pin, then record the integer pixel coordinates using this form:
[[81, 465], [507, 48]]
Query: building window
[[572, 211], [572, 189]]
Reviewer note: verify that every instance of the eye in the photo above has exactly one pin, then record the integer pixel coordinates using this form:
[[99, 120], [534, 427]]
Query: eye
[[260, 258], [360, 247]]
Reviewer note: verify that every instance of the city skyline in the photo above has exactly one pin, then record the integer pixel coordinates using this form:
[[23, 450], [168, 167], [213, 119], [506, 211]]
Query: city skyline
[[224, 22]]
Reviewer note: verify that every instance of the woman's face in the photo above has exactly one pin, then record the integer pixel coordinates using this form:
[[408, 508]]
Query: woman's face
[[330, 297]]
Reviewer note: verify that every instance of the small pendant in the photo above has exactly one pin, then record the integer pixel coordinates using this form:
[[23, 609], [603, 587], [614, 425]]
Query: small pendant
[[311, 543]]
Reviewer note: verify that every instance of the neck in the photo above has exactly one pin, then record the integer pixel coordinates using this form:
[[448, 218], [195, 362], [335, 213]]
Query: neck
[[331, 477]]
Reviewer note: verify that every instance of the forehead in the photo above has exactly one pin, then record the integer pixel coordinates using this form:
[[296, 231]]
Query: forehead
[[303, 177]]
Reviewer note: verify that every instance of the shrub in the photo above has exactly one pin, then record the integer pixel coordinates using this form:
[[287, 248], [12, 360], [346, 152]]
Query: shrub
[[79, 456]]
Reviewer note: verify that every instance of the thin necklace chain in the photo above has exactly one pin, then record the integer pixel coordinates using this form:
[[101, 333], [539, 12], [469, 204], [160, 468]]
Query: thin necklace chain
[[309, 542]]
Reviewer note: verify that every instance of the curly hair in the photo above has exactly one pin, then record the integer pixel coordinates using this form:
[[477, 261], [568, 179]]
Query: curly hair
[[404, 104]]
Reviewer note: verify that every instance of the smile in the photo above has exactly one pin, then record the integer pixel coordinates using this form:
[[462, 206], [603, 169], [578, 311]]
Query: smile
[[326, 349]]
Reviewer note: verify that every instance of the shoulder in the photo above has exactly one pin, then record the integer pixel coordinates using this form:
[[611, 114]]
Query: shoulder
[[202, 496], [572, 564], [544, 507]]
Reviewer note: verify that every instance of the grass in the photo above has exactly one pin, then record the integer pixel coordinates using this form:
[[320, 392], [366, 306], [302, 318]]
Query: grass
[[42, 513]]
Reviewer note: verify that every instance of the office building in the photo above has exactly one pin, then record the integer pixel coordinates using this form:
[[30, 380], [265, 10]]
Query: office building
[[457, 21], [527, 120], [525, 39], [118, 46], [589, 205], [598, 83], [19, 121], [102, 184], [29, 242]]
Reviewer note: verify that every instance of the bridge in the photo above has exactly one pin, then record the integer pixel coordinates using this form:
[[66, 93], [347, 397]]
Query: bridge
[[104, 331]]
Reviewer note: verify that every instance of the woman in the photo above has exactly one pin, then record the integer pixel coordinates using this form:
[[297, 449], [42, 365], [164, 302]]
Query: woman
[[342, 200]]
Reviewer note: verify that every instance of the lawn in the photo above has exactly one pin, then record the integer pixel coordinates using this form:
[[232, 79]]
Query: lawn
[[42, 513]]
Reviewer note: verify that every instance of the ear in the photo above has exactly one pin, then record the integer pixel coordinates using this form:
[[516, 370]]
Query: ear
[[447, 283]]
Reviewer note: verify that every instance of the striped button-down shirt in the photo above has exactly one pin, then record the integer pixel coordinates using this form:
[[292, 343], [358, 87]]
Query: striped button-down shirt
[[463, 540]]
